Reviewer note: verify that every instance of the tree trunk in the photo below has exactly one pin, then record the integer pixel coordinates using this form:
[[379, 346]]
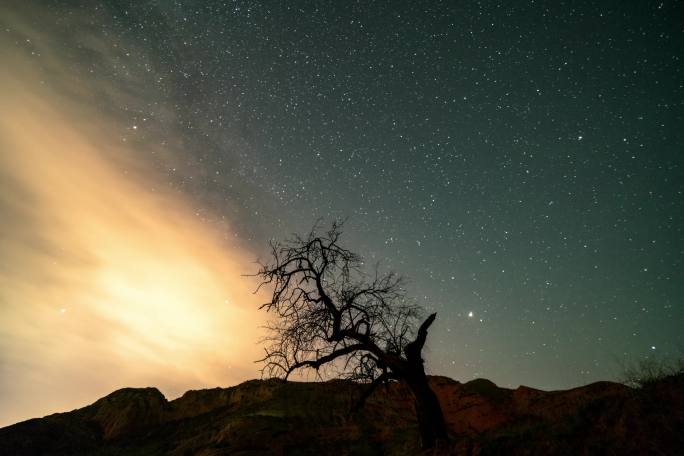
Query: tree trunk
[[428, 411]]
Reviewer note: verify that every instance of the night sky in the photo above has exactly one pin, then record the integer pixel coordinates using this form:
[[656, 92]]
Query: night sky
[[520, 163]]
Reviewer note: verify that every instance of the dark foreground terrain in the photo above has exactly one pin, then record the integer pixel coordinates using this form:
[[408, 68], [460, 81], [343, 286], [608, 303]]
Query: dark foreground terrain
[[271, 417]]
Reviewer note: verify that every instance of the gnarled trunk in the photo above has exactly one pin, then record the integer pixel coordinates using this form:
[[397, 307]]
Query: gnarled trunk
[[428, 411]]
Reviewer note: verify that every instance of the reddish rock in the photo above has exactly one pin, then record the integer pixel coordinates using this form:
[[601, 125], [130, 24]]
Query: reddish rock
[[273, 417]]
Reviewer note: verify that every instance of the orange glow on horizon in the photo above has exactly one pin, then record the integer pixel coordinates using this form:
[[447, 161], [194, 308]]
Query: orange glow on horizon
[[108, 278]]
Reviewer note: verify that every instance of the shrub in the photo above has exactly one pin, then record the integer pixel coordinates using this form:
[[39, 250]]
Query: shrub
[[650, 370]]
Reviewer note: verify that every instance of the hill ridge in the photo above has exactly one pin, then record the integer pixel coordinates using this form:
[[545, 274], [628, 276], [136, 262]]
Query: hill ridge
[[276, 417]]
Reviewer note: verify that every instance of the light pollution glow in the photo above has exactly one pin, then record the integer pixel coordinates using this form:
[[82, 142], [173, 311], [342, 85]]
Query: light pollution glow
[[104, 282]]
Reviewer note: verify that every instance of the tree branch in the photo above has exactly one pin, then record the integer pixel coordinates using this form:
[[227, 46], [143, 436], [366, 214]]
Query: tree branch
[[413, 349], [317, 363]]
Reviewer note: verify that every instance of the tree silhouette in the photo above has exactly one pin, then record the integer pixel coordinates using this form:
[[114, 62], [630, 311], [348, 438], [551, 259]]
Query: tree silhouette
[[334, 318]]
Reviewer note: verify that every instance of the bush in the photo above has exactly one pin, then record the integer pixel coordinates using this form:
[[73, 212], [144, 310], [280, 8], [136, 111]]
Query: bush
[[650, 370]]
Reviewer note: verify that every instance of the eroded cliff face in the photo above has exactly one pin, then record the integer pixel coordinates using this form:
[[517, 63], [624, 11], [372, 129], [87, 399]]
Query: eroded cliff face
[[272, 417]]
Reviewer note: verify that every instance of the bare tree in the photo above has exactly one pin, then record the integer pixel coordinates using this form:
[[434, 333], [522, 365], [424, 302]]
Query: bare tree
[[336, 319]]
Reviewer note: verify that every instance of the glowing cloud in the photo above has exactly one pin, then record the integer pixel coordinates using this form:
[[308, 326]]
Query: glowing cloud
[[107, 278]]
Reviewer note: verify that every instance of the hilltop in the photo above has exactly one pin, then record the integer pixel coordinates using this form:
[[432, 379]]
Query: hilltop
[[272, 417]]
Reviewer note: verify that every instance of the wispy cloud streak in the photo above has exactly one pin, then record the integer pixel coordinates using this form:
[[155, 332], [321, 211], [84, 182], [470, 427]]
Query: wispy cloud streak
[[107, 278]]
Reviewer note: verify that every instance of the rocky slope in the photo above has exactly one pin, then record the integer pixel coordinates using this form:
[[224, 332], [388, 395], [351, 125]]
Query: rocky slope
[[272, 417]]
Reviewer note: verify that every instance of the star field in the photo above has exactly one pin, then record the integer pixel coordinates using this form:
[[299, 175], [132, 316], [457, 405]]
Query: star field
[[521, 163]]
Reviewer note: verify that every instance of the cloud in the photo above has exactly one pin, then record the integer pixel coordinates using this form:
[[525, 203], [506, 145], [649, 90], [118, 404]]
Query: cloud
[[108, 278]]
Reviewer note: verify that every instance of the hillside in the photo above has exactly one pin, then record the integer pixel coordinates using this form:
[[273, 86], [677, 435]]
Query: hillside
[[272, 417]]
